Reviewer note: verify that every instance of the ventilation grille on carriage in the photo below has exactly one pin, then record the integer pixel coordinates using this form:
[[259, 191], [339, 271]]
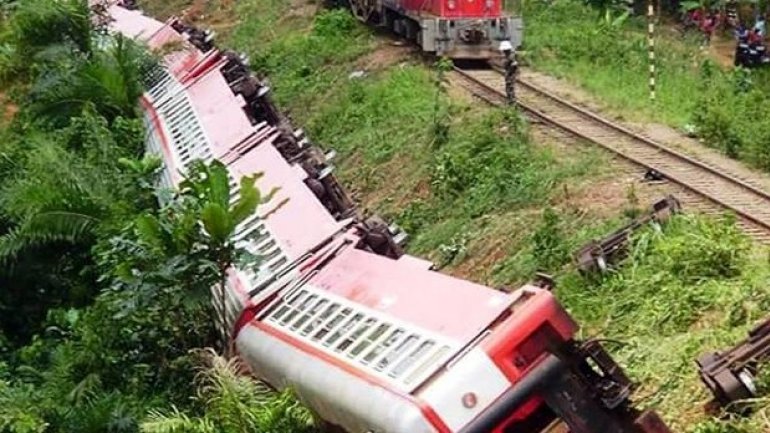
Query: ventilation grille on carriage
[[188, 142], [400, 353]]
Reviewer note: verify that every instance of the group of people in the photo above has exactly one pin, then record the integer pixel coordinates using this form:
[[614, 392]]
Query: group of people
[[706, 21], [750, 48]]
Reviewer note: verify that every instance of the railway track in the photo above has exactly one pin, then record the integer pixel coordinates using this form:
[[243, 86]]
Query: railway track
[[723, 190]]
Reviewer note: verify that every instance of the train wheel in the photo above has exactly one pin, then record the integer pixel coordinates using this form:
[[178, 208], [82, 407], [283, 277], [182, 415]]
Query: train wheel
[[363, 9], [733, 387]]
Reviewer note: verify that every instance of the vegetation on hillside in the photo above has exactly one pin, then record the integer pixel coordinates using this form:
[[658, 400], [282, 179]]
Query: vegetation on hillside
[[608, 56], [481, 198], [113, 303], [104, 293]]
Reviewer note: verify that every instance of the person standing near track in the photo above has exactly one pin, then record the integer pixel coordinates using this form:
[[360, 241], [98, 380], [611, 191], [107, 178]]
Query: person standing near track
[[511, 67], [760, 27]]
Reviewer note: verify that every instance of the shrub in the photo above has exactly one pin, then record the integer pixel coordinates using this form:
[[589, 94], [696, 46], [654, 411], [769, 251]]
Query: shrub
[[491, 164]]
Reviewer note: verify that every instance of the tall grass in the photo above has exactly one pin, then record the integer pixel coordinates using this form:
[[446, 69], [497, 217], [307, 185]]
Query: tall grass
[[727, 107], [695, 286], [304, 55], [567, 38]]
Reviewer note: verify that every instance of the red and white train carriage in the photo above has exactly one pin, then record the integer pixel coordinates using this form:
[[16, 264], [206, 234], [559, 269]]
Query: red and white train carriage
[[369, 338]]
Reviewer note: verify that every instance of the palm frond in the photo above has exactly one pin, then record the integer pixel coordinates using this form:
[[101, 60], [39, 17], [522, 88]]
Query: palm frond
[[175, 422], [46, 228]]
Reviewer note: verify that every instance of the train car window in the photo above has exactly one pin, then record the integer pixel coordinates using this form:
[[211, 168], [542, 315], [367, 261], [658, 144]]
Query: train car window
[[380, 349], [318, 319], [310, 312], [255, 232], [369, 339], [365, 326], [430, 360], [398, 350], [247, 226], [285, 305], [235, 188], [293, 308], [407, 362], [344, 329], [327, 327], [267, 250], [275, 265]]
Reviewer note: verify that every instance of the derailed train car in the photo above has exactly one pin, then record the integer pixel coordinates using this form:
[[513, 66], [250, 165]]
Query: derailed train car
[[370, 338]]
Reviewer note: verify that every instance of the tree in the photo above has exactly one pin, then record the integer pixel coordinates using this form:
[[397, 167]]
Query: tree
[[43, 26], [220, 216], [59, 193], [109, 81]]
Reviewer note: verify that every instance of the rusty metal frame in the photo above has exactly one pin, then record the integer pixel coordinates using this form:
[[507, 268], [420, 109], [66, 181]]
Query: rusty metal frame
[[600, 255], [730, 374]]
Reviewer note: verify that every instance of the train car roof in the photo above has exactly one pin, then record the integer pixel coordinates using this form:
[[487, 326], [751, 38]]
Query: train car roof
[[220, 111], [133, 24], [294, 215], [451, 307], [389, 318], [199, 117]]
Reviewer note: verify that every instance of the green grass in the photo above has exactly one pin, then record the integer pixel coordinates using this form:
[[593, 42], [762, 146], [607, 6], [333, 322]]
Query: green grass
[[304, 56], [442, 190], [611, 60], [728, 108], [697, 286]]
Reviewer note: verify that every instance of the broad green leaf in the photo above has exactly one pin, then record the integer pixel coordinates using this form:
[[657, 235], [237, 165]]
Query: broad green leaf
[[148, 229], [218, 185], [248, 202], [216, 221]]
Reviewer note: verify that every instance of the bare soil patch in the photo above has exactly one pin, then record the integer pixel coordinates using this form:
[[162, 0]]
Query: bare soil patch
[[9, 108], [386, 53]]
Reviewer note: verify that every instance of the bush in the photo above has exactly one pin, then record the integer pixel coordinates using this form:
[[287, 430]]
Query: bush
[[336, 23], [491, 164], [732, 114]]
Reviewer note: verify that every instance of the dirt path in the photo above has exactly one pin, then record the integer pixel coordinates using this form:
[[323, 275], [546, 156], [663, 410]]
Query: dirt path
[[9, 109]]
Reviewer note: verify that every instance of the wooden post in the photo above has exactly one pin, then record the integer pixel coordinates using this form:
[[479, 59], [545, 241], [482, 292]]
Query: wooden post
[[651, 45]]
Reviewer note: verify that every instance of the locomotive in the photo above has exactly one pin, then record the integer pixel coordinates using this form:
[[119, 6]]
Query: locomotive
[[371, 339], [458, 29]]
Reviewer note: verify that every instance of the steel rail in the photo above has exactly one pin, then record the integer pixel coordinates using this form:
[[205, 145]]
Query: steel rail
[[496, 97]]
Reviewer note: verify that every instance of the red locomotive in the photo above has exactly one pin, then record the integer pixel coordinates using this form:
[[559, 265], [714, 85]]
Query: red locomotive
[[458, 29], [370, 338]]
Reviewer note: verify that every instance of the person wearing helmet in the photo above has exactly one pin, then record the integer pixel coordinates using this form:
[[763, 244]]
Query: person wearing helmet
[[511, 68]]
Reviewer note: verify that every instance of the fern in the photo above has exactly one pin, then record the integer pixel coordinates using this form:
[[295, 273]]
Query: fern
[[233, 403], [175, 422], [46, 228]]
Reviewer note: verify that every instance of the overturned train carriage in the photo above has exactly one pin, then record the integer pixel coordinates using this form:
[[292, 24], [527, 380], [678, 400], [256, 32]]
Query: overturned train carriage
[[370, 338]]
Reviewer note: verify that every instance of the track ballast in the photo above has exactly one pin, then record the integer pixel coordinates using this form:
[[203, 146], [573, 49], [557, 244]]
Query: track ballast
[[750, 203]]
